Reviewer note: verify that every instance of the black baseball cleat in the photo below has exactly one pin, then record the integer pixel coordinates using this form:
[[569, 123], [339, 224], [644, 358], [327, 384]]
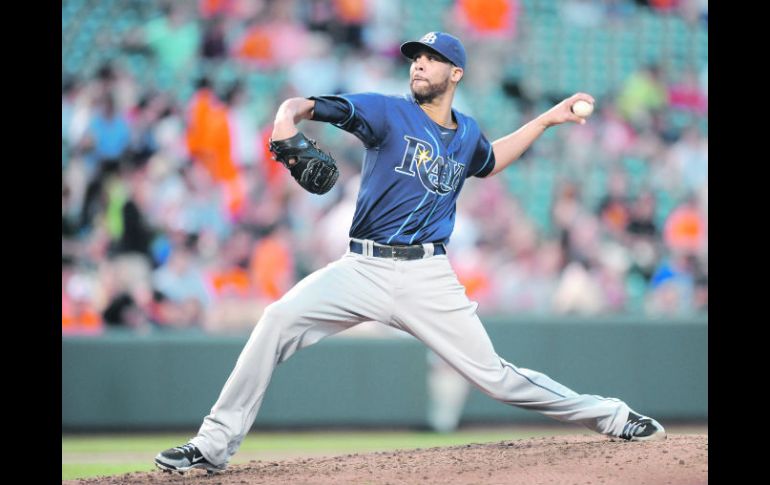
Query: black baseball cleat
[[183, 458], [642, 428]]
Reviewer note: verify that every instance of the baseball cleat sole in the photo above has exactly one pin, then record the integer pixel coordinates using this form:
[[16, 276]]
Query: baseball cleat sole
[[659, 436], [182, 470]]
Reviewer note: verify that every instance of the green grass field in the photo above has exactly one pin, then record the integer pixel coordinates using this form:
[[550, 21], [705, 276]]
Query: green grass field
[[99, 455]]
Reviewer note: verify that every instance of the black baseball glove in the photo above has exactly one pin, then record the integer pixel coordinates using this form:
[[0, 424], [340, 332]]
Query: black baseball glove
[[314, 170]]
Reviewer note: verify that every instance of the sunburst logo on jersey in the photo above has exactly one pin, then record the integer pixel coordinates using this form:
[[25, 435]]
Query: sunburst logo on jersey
[[437, 174], [422, 157]]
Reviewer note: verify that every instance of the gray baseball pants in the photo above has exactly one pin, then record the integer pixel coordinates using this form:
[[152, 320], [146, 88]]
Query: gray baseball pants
[[422, 297]]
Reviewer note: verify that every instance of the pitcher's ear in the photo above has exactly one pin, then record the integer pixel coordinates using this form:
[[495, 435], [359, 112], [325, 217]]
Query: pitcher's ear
[[457, 74]]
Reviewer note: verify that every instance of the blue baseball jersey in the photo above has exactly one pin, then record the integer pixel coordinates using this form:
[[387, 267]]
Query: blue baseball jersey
[[413, 168]]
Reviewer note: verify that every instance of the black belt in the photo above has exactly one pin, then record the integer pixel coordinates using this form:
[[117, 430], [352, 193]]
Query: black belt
[[398, 252]]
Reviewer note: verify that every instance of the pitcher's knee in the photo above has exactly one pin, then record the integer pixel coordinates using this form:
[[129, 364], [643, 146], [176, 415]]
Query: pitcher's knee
[[277, 318], [496, 392], [281, 313], [494, 383]]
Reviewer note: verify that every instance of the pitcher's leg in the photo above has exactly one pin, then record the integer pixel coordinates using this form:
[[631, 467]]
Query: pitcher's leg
[[273, 340], [440, 314], [326, 302]]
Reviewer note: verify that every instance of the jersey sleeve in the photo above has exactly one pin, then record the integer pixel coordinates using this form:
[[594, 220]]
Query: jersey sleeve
[[483, 161], [363, 115]]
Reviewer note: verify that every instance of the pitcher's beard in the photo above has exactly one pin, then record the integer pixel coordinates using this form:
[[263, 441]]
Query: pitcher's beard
[[428, 93]]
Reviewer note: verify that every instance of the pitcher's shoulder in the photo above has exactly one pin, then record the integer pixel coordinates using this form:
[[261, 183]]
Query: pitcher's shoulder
[[466, 118]]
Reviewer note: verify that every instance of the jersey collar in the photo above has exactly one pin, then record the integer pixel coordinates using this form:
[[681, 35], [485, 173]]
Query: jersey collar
[[457, 140]]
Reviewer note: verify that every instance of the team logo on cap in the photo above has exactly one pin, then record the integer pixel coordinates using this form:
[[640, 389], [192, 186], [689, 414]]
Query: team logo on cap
[[429, 38]]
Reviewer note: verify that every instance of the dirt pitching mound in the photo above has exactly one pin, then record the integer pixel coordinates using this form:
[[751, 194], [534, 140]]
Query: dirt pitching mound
[[594, 460]]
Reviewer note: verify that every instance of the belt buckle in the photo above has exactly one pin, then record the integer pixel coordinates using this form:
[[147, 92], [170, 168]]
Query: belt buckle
[[401, 253]]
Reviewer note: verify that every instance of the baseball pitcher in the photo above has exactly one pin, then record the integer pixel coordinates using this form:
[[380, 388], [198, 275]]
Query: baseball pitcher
[[418, 153]]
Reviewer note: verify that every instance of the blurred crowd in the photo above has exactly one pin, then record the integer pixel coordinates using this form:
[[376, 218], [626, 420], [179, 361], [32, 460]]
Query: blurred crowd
[[175, 216]]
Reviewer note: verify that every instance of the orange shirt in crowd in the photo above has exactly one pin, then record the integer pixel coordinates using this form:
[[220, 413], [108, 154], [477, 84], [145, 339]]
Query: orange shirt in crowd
[[79, 317], [490, 16], [685, 229], [615, 216], [208, 136], [272, 267], [351, 11], [200, 110], [256, 45], [475, 282], [232, 281], [209, 143]]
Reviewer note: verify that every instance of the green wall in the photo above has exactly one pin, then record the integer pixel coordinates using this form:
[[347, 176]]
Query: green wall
[[170, 380]]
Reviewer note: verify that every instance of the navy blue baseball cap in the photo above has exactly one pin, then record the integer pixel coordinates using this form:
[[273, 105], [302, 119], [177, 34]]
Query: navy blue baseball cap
[[447, 45]]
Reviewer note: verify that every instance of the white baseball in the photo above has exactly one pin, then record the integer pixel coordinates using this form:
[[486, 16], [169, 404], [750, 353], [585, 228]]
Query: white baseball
[[582, 108]]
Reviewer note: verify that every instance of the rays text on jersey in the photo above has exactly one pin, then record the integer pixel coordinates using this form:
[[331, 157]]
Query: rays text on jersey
[[438, 175]]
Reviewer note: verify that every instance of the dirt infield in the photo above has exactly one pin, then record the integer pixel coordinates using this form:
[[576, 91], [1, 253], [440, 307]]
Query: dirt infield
[[567, 460]]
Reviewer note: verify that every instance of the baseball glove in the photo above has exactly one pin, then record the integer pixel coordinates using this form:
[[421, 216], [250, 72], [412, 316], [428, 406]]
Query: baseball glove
[[314, 170]]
